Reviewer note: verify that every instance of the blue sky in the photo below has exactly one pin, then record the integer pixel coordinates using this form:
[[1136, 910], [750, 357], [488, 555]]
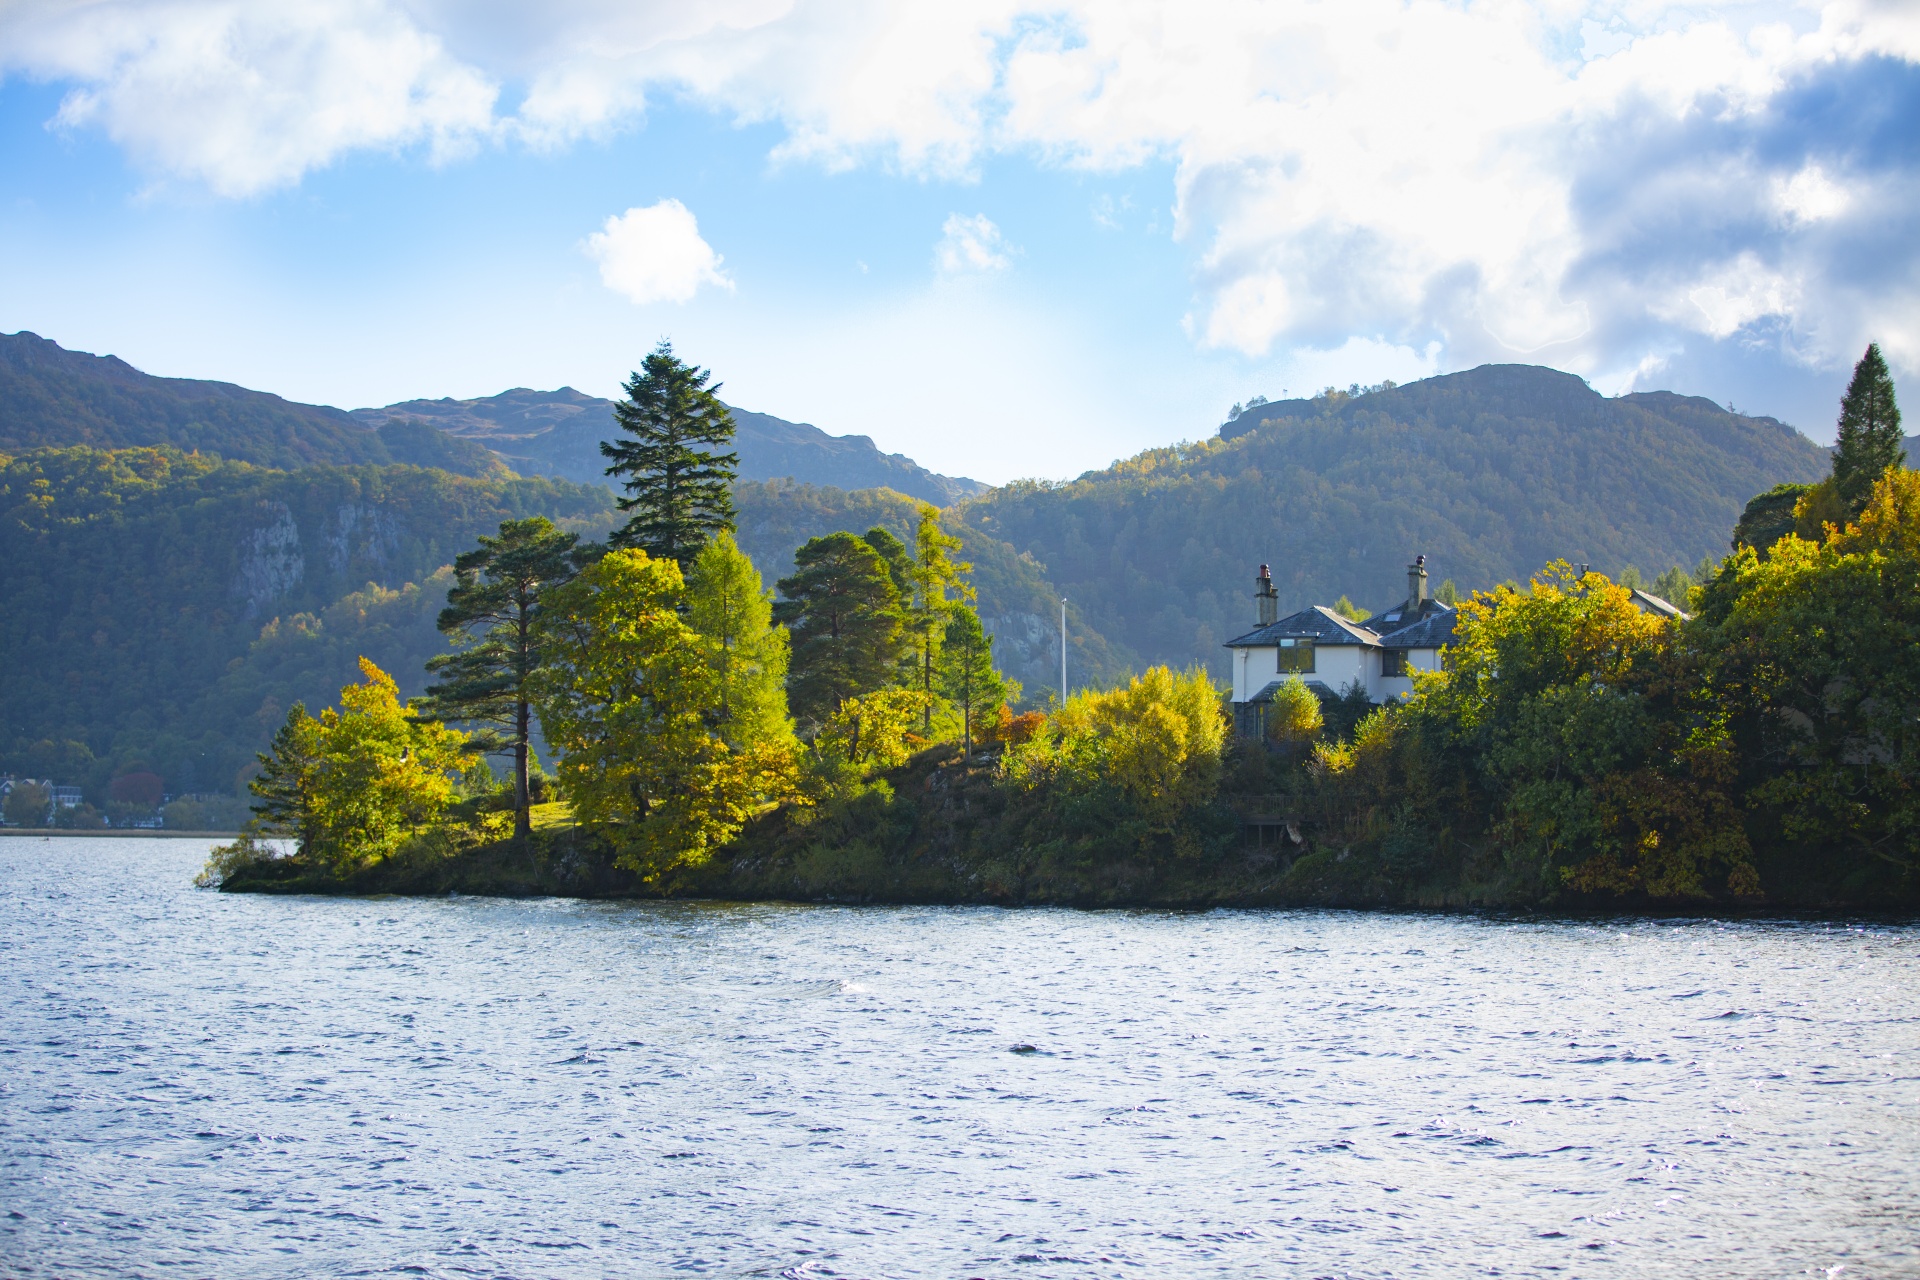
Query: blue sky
[[1005, 239]]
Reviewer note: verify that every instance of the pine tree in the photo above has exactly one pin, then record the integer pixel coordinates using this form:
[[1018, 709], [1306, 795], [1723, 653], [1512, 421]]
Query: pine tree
[[288, 784], [843, 610], [732, 612], [492, 610], [1869, 440], [966, 675], [679, 486], [934, 573]]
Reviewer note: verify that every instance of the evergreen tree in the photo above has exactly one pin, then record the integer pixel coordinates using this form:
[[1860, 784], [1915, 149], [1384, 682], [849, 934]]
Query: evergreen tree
[[288, 784], [1869, 443], [966, 674], [934, 573], [894, 552], [843, 609], [492, 609], [733, 614], [679, 486]]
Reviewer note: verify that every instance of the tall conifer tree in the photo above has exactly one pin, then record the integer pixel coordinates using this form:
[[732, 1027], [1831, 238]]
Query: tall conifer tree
[[493, 609], [935, 572], [843, 610], [1869, 440], [679, 484]]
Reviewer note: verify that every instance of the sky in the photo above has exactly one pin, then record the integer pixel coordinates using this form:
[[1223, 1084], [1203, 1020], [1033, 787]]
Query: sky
[[1005, 238]]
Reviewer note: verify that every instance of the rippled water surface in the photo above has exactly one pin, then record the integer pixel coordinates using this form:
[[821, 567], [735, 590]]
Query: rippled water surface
[[195, 1084]]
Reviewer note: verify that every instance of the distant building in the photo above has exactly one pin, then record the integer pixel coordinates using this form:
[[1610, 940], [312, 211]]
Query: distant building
[[67, 797], [1331, 654]]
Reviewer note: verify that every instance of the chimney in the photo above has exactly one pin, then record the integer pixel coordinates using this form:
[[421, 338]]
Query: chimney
[[1268, 598], [1417, 583]]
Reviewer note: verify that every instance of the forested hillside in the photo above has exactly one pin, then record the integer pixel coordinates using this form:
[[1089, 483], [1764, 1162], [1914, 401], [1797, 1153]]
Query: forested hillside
[[52, 397], [558, 433], [1017, 603], [164, 609], [1489, 473]]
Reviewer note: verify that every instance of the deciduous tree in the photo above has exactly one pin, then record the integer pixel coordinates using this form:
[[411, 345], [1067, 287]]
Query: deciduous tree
[[732, 612]]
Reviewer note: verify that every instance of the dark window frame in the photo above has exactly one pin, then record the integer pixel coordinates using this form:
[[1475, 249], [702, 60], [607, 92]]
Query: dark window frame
[[1294, 657]]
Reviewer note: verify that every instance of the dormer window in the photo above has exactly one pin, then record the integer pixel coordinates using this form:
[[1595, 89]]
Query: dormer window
[[1295, 655]]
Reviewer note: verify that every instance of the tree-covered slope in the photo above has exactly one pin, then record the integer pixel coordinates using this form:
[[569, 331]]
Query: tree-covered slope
[[1018, 605], [1489, 473], [558, 433], [51, 397], [165, 609]]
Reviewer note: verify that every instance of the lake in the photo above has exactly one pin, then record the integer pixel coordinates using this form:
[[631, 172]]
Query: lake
[[196, 1084]]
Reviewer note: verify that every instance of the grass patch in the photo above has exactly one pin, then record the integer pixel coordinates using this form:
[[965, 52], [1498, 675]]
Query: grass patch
[[546, 817]]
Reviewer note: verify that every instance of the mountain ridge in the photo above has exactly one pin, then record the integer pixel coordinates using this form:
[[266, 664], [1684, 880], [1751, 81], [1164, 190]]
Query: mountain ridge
[[558, 433], [54, 397]]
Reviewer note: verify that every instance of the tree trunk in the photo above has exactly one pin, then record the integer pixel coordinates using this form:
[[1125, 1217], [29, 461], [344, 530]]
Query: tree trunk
[[522, 808]]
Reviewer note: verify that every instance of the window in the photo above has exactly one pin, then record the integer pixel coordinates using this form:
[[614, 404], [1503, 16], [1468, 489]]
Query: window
[[1296, 655], [1393, 662]]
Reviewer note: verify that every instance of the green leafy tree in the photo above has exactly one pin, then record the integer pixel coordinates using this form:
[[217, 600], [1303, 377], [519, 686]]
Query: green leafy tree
[[354, 784], [491, 610], [28, 804], [1573, 717], [678, 482], [1869, 442], [1811, 654], [844, 612], [1350, 611], [966, 675], [732, 613], [385, 773], [1769, 517], [627, 696], [933, 573]]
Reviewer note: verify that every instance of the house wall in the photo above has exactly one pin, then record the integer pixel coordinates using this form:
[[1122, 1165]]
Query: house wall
[[1335, 666], [1387, 688]]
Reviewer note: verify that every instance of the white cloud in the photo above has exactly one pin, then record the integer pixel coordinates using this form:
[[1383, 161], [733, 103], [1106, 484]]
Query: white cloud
[[655, 254], [246, 97], [1412, 170], [970, 245]]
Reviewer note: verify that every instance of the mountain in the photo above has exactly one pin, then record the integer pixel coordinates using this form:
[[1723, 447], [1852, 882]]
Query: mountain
[[1489, 473], [558, 433], [50, 396], [164, 609]]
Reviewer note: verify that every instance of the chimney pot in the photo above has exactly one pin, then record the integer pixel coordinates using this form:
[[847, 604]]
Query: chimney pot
[[1266, 597], [1417, 583]]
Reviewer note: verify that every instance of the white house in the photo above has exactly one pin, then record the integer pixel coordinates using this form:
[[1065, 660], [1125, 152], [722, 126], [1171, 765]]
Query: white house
[[1332, 655]]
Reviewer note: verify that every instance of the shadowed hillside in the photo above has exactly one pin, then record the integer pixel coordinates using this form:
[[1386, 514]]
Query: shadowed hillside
[[1489, 473], [558, 433], [52, 397]]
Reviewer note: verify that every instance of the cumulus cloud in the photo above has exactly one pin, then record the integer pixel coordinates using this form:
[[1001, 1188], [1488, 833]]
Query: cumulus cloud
[[246, 97], [655, 254], [969, 245], [1581, 181]]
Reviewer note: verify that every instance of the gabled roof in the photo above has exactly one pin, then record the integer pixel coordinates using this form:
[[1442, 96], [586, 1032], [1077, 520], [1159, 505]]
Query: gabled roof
[[1434, 629], [1647, 602], [1318, 624]]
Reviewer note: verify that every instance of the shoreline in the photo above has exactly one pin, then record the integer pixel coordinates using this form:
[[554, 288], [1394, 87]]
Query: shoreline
[[116, 834]]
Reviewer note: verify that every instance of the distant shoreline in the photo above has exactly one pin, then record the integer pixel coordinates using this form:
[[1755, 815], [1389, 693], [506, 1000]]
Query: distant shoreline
[[116, 834]]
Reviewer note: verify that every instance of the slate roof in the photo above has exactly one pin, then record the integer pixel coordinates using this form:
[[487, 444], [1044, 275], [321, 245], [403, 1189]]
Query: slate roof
[[1318, 624], [1433, 628], [1647, 602]]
